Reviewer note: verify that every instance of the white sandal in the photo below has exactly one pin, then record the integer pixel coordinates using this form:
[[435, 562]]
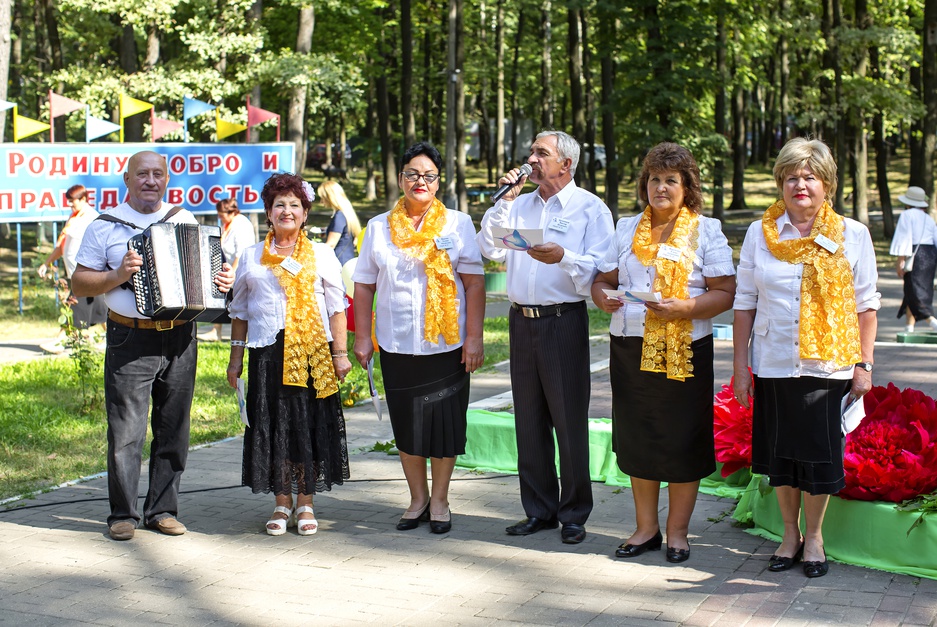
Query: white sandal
[[306, 522], [280, 524]]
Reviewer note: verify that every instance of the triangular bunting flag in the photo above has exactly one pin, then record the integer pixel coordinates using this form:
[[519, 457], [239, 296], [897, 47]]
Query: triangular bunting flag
[[256, 115], [131, 106], [4, 105], [24, 127], [192, 107], [227, 129], [60, 105], [162, 127], [96, 127]]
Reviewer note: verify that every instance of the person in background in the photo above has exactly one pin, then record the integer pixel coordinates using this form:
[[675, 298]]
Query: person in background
[[422, 261], [913, 244], [662, 406], [237, 233], [86, 311], [549, 331], [288, 308], [344, 226], [806, 307]]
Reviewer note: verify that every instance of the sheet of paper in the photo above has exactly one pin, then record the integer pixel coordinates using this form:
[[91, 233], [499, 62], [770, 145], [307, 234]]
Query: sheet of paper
[[627, 296], [375, 399], [242, 402], [516, 239], [853, 412]]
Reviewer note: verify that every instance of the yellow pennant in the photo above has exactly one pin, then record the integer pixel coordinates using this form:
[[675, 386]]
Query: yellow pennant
[[131, 106], [24, 127], [225, 129]]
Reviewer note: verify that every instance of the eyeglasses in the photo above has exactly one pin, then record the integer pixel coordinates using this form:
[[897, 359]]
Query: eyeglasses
[[413, 177]]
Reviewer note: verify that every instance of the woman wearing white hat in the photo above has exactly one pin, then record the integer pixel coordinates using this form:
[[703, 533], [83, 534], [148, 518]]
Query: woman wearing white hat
[[913, 244]]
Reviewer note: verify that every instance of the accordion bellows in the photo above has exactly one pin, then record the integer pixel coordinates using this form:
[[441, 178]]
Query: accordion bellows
[[180, 263]]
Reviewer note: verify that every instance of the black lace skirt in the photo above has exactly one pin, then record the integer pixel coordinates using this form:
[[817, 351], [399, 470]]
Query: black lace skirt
[[296, 442]]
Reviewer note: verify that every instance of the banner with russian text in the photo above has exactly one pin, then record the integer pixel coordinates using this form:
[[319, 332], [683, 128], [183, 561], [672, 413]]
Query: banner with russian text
[[34, 177]]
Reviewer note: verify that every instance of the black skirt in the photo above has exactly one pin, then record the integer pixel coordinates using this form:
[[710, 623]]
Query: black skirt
[[662, 429], [797, 438], [919, 284], [295, 442], [427, 398]]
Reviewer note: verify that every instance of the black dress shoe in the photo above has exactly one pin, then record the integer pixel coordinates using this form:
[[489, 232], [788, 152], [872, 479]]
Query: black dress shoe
[[531, 525], [573, 533], [816, 569], [634, 550], [441, 526], [675, 556], [779, 564], [406, 524]]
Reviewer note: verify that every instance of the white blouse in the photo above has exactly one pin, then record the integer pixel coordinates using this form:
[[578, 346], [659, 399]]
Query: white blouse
[[259, 299], [771, 288], [915, 226], [238, 237], [401, 283], [713, 259]]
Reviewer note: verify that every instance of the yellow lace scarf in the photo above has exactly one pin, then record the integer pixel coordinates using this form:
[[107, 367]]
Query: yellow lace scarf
[[667, 343], [305, 347], [441, 314], [829, 326]]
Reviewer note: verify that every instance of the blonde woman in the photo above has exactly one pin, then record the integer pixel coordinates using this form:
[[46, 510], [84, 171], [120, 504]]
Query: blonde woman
[[344, 226]]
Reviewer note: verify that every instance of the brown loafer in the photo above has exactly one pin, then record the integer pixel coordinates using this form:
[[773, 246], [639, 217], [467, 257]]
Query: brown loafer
[[169, 526], [122, 530]]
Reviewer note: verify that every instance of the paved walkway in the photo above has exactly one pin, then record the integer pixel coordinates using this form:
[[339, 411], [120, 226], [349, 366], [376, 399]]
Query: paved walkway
[[57, 564]]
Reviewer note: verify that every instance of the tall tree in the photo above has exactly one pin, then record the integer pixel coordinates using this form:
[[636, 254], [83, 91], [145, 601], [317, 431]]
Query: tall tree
[[406, 73], [574, 57], [6, 21], [500, 157], [929, 81], [720, 112], [546, 66], [608, 33], [296, 118]]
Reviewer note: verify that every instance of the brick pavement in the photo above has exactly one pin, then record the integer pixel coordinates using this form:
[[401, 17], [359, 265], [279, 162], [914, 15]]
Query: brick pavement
[[57, 564]]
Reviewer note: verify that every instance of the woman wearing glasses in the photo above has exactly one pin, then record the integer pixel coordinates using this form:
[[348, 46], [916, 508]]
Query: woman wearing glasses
[[422, 261]]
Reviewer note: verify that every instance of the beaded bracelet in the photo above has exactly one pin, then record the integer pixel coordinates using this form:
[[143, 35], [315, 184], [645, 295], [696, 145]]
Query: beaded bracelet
[[238, 343]]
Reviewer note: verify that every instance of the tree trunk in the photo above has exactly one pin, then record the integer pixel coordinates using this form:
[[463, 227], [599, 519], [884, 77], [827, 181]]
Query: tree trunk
[[719, 165], [661, 65], [574, 55], [450, 198], [784, 63], [499, 121], [6, 22], [738, 141], [370, 185], [152, 48], [546, 66], [840, 143], [427, 83], [133, 126], [590, 98], [406, 73], [484, 136], [296, 116], [860, 195], [255, 15], [929, 67], [916, 132], [607, 36], [881, 154], [515, 111]]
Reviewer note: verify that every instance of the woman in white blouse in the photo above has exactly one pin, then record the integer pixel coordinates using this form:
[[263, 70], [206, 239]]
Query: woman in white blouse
[[661, 354], [288, 295], [913, 244], [805, 307], [422, 261]]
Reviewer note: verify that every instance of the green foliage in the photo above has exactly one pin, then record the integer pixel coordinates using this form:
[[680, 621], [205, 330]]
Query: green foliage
[[87, 361], [925, 504]]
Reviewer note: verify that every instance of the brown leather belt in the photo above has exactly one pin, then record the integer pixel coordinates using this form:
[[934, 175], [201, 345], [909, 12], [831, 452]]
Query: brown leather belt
[[542, 311], [144, 323]]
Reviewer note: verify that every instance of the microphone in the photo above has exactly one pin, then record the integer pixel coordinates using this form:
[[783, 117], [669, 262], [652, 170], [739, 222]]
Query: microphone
[[525, 171]]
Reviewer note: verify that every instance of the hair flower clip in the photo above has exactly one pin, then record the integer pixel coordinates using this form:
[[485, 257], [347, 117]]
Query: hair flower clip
[[310, 193]]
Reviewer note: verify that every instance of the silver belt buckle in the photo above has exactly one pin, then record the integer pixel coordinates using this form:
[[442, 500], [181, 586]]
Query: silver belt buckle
[[530, 312]]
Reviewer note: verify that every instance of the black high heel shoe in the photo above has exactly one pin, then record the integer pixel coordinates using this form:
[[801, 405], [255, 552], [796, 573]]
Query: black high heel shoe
[[441, 526], [634, 550], [780, 564], [406, 524]]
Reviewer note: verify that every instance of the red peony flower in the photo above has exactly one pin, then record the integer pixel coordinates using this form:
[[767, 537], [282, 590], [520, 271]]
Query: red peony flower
[[892, 454], [732, 427]]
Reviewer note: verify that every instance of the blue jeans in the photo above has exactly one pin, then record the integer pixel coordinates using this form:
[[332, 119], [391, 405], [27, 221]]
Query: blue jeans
[[141, 364]]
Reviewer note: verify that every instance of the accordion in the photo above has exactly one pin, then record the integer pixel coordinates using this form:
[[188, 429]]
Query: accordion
[[180, 263]]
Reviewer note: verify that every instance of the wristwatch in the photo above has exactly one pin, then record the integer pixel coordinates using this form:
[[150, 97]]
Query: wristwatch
[[865, 366]]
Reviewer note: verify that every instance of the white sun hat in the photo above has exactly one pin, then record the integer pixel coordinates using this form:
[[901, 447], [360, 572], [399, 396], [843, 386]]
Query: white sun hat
[[914, 197]]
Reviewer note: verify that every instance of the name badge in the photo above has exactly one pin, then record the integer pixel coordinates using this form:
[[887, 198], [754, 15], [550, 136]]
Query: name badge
[[827, 243], [291, 265], [443, 243], [672, 253], [559, 224]]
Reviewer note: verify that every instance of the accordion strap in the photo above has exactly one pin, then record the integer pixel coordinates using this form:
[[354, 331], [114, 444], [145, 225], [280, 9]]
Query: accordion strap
[[109, 218]]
